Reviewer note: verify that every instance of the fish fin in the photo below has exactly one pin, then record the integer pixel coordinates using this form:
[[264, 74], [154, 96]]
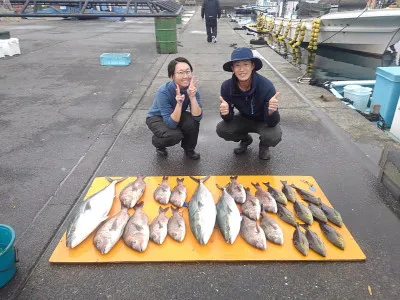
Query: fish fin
[[238, 188], [163, 210], [159, 224], [204, 179], [88, 206], [220, 187], [246, 189], [200, 204], [258, 228], [139, 205], [266, 184], [114, 226], [138, 227], [195, 179], [229, 209]]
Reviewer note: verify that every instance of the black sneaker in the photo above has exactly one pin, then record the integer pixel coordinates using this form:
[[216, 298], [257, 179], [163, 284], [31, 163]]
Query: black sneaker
[[162, 151], [243, 145], [192, 154], [264, 153]]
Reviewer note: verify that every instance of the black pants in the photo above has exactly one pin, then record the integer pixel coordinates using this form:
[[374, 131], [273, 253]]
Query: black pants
[[211, 27], [238, 128], [187, 131]]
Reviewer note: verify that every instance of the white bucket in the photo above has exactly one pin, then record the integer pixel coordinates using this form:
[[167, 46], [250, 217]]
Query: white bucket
[[359, 95]]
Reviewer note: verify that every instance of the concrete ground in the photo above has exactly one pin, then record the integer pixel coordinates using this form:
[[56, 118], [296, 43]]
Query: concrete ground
[[65, 120]]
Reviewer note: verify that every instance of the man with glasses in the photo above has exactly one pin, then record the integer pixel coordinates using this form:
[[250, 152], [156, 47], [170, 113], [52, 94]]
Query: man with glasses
[[256, 99], [168, 119]]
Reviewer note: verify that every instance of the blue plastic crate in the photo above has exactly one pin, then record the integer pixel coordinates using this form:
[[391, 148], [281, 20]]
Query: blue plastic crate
[[115, 59]]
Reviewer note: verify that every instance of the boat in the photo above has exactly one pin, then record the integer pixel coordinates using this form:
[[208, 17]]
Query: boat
[[369, 31]]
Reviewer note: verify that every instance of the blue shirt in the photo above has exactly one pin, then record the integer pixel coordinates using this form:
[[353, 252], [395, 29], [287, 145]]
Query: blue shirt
[[164, 103]]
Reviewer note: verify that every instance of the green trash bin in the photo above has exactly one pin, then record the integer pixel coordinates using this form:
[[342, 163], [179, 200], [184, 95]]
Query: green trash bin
[[179, 19], [166, 35]]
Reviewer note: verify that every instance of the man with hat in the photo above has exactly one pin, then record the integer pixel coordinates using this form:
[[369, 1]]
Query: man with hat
[[256, 99]]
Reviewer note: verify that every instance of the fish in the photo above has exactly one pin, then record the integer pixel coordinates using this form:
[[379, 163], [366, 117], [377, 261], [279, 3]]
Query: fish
[[253, 234], [277, 194], [179, 193], [236, 190], [163, 191], [271, 229], [176, 225], [158, 228], [202, 212], [332, 235], [90, 214], [228, 217], [289, 192], [317, 213], [137, 232], [303, 213], [132, 193], [300, 241], [111, 231], [332, 214], [286, 215], [266, 200], [307, 196], [315, 241], [251, 208]]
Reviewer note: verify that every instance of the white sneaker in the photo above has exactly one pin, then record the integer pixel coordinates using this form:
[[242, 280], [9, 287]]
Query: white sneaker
[[214, 40]]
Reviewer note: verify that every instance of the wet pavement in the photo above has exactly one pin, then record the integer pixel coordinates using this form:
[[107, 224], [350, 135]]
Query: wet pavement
[[65, 120]]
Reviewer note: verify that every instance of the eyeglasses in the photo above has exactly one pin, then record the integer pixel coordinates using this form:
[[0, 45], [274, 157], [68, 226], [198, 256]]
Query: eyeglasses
[[182, 73]]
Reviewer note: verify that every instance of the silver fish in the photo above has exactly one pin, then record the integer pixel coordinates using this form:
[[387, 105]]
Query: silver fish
[[277, 194], [317, 213], [158, 228], [202, 212], [306, 195], [111, 231], [90, 214], [236, 190], [332, 235], [271, 229], [332, 214], [176, 225], [252, 233], [251, 208], [179, 193], [163, 191], [289, 192], [228, 217], [300, 241], [315, 242], [286, 215], [137, 232], [132, 193], [266, 200], [303, 213]]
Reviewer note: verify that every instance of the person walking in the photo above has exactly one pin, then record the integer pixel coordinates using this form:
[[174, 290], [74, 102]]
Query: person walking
[[211, 10], [168, 119]]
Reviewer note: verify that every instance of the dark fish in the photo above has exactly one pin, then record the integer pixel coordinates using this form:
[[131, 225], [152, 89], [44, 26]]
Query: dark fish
[[277, 194], [303, 213], [178, 194], [251, 208], [307, 196], [289, 192], [300, 241], [332, 235], [332, 215], [131, 194], [286, 215], [317, 213], [236, 190], [315, 242]]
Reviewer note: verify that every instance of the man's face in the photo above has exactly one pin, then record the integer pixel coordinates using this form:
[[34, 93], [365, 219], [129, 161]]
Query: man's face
[[243, 69]]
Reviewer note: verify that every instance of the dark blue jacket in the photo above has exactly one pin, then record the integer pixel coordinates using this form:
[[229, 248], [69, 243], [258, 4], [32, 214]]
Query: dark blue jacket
[[211, 9], [252, 104]]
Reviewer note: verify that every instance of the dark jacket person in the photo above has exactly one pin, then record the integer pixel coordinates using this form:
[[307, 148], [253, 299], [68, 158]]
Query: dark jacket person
[[211, 10], [255, 98]]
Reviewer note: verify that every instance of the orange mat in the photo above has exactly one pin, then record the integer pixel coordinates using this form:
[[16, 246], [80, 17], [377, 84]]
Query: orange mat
[[216, 249]]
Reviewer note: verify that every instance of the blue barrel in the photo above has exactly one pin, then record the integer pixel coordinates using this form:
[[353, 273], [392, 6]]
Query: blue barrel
[[7, 254]]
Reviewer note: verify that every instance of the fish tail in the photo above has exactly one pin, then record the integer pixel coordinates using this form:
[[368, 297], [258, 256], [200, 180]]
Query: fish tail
[[109, 179], [163, 210], [255, 184], [200, 179], [139, 205], [266, 184], [220, 187]]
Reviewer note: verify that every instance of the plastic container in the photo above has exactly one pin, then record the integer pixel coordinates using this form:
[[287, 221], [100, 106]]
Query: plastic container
[[387, 91], [115, 59], [8, 256], [359, 95], [166, 36]]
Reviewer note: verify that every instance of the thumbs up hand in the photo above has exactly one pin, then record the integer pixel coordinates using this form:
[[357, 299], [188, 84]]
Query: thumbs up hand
[[223, 107], [273, 104]]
